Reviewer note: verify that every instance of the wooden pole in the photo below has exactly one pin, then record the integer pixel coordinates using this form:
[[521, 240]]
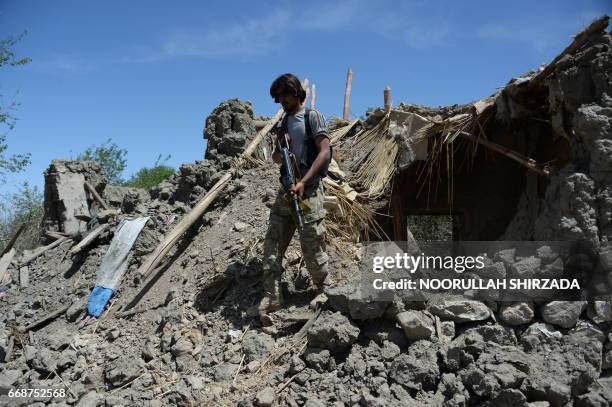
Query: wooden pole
[[262, 133], [96, 196], [5, 261], [527, 162], [87, 240], [307, 89], [156, 257], [43, 249], [313, 96], [387, 94], [10, 244], [347, 94], [596, 26], [47, 318]]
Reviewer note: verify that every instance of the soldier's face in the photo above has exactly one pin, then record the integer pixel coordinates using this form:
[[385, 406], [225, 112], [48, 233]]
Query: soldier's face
[[290, 103]]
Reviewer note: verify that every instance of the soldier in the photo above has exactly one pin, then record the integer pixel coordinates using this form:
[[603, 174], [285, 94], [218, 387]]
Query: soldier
[[309, 142]]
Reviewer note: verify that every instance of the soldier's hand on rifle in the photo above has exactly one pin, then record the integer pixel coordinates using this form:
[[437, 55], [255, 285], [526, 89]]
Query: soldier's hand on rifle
[[298, 189]]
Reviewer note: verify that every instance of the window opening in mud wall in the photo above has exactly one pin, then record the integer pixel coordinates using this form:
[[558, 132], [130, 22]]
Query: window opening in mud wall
[[432, 227]]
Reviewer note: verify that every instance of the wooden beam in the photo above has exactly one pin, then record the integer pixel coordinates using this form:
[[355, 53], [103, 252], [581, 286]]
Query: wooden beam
[[87, 240], [96, 196], [11, 243], [387, 96], [47, 318], [154, 259], [347, 94], [41, 250], [262, 133], [580, 39], [164, 247], [527, 162], [307, 89], [313, 96], [5, 261]]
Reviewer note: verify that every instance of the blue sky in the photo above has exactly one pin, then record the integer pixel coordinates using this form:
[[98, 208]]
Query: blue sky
[[147, 73]]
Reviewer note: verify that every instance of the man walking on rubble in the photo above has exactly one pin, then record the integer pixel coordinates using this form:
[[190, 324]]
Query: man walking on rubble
[[309, 142]]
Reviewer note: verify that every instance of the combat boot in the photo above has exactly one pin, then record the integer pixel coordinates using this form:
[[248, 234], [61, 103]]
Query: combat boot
[[320, 287]]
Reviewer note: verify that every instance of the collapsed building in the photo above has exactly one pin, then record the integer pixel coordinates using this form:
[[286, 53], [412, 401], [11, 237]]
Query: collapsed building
[[533, 162]]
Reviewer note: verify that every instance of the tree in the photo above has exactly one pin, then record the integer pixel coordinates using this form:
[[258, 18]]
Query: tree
[[24, 207], [16, 162], [147, 178], [110, 157]]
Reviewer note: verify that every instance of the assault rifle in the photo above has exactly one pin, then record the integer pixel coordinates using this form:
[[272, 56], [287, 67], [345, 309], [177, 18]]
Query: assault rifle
[[288, 178]]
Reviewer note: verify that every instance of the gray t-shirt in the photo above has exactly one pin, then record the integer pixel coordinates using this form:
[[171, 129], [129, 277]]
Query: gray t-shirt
[[297, 129]]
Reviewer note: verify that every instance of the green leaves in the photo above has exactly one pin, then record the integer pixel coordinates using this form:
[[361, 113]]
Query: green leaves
[[147, 178], [17, 162], [7, 55], [111, 158]]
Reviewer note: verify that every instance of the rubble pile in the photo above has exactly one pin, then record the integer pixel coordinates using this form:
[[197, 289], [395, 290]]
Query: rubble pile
[[189, 340]]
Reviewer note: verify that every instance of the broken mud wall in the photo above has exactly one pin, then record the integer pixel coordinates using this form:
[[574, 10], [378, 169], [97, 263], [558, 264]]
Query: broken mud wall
[[67, 205], [229, 128], [576, 203]]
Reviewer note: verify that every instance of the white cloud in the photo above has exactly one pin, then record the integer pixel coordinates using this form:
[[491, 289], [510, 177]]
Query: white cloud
[[260, 36], [252, 37], [59, 64]]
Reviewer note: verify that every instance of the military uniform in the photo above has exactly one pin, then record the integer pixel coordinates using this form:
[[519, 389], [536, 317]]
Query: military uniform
[[281, 228]]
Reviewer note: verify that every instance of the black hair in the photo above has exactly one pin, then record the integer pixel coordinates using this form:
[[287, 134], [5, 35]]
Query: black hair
[[287, 84]]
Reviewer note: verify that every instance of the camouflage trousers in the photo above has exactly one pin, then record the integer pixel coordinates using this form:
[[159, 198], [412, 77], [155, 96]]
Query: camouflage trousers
[[281, 229]]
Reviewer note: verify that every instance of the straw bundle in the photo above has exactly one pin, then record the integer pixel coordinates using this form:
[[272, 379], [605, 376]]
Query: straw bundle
[[355, 220]]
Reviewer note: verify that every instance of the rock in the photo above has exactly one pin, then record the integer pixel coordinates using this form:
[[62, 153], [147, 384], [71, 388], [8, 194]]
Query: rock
[[468, 346], [256, 346], [228, 129], [417, 369], [563, 313], [77, 309], [183, 346], [586, 330], [537, 332], [195, 382], [253, 366], [347, 298], [498, 367], [123, 369], [45, 361], [118, 196], [561, 368], [447, 330], [7, 379], [332, 331], [506, 256], [106, 214], [606, 360], [113, 334], [225, 372], [90, 399], [493, 270], [518, 313], [317, 358], [600, 311], [460, 310], [265, 398], [382, 330], [241, 226], [525, 268], [416, 325], [546, 254]]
